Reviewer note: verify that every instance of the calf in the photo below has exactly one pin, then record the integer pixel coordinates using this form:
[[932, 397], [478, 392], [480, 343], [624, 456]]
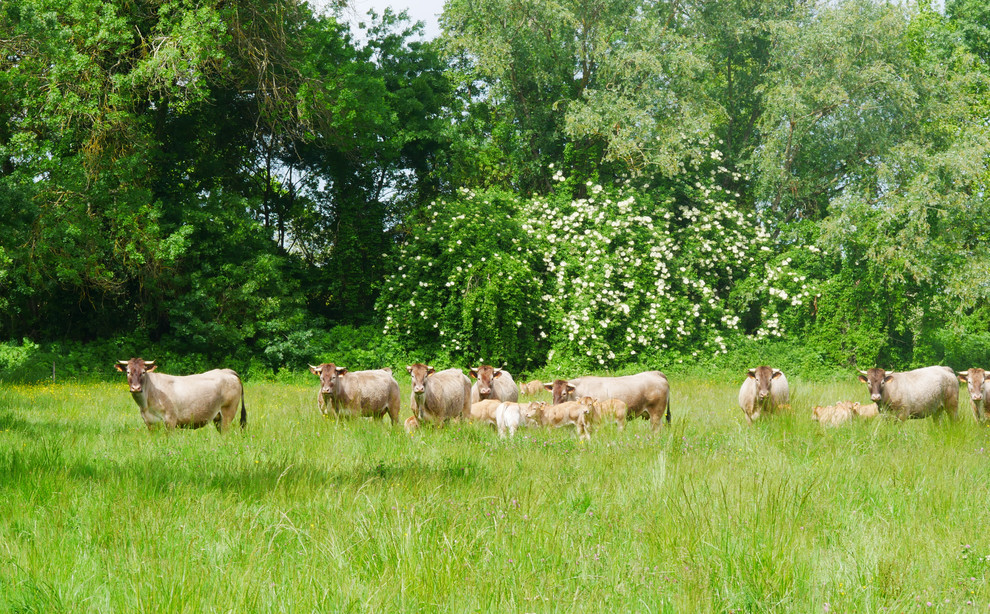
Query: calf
[[484, 411], [762, 392], [929, 391], [511, 416], [357, 393], [184, 400], [532, 388], [979, 387], [609, 409], [645, 394], [496, 384], [439, 396], [565, 414], [841, 412]]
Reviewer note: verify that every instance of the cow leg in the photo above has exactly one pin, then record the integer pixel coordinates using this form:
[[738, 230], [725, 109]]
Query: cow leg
[[977, 413], [656, 420], [393, 414], [216, 423]]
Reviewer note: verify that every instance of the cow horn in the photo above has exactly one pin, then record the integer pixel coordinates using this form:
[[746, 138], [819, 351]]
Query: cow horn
[[861, 372], [149, 362], [122, 362], [963, 373]]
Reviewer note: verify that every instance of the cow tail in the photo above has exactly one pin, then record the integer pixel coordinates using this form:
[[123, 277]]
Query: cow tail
[[668, 407], [243, 410]]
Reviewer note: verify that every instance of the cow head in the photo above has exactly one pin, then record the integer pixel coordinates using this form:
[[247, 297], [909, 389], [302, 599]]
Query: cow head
[[533, 413], [875, 379], [763, 377], [135, 369], [329, 375], [561, 390], [420, 373], [974, 379], [485, 374]]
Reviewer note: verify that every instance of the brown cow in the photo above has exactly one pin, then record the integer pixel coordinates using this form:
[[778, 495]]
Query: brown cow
[[979, 388], [564, 414], [763, 391], [533, 387], [357, 393], [188, 401], [495, 384], [439, 396], [645, 394], [920, 393], [609, 409]]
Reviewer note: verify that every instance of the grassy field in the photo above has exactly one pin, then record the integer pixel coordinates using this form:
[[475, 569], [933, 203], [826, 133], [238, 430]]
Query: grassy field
[[304, 514]]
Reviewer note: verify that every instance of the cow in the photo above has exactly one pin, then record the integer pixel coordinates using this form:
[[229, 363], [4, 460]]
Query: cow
[[841, 412], [920, 393], [762, 392], [533, 387], [411, 424], [609, 409], [645, 394], [356, 393], [441, 395], [511, 416], [565, 414], [979, 388], [186, 401], [496, 384], [484, 411]]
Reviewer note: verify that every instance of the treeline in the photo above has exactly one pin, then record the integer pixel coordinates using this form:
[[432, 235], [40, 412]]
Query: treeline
[[582, 184]]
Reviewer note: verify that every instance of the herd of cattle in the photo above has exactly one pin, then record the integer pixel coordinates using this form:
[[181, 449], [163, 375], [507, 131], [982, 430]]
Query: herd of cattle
[[193, 401]]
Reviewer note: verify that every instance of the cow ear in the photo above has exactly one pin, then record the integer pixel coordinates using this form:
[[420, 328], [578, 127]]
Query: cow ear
[[963, 376], [341, 370], [571, 387], [548, 387], [889, 377], [430, 370], [496, 373], [409, 368], [751, 373], [863, 379], [474, 372], [776, 373], [315, 370], [151, 366], [121, 366]]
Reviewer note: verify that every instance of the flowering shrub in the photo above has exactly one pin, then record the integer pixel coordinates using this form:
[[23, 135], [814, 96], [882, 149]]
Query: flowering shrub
[[626, 274]]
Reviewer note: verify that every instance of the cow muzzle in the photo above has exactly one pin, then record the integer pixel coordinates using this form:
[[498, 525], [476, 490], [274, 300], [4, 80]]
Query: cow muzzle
[[875, 398], [485, 391], [136, 388], [419, 389]]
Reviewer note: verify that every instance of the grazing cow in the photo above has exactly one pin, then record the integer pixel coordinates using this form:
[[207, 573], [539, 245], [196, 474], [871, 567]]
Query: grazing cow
[[357, 393], [511, 416], [924, 392], [843, 411], [188, 401], [533, 387], [439, 396], [495, 384], [565, 414], [979, 388], [762, 392], [484, 411], [645, 394], [609, 409]]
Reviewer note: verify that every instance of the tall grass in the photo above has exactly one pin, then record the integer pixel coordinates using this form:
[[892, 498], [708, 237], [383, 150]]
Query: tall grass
[[300, 513]]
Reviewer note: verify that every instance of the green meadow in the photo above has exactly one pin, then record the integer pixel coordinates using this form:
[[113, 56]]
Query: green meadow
[[301, 514]]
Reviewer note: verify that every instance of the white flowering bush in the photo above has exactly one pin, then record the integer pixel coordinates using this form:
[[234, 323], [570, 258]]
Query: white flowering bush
[[627, 274]]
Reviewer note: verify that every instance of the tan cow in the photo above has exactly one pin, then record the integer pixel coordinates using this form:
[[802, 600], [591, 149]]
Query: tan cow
[[495, 384], [920, 393], [188, 401], [411, 424], [439, 396], [511, 416], [532, 388], [764, 391], [979, 388], [564, 414], [484, 411], [610, 409], [842, 412], [646, 394], [356, 393]]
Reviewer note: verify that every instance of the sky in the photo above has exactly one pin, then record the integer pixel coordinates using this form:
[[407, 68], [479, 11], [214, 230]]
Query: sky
[[426, 11]]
